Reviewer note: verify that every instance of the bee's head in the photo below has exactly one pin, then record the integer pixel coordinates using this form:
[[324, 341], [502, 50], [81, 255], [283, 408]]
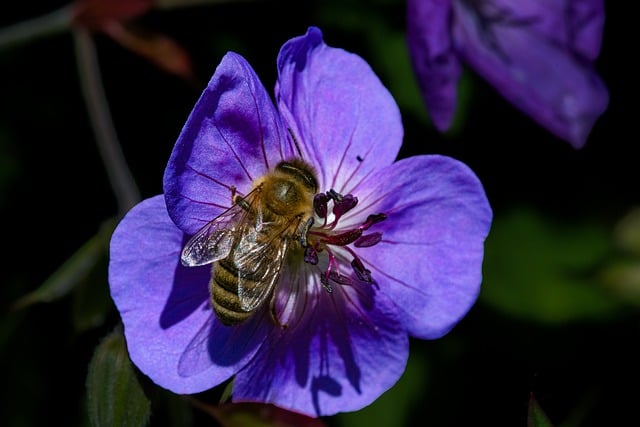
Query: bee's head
[[301, 171]]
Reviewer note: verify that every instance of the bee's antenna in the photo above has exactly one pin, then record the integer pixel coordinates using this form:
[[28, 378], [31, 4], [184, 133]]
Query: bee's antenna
[[295, 141]]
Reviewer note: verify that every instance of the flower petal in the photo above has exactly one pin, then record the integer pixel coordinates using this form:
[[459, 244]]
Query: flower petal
[[433, 57], [430, 258], [346, 121], [170, 330], [233, 135], [543, 79], [577, 25], [348, 349], [586, 25]]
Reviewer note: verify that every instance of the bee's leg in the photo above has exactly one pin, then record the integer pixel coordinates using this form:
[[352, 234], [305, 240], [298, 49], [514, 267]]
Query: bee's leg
[[274, 314], [238, 200], [334, 195], [242, 203], [303, 237]]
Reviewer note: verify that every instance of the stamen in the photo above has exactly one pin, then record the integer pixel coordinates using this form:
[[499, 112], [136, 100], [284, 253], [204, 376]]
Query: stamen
[[368, 240], [324, 278], [373, 219], [311, 255], [320, 201], [360, 270], [343, 206], [341, 239], [325, 283], [316, 239], [340, 279]]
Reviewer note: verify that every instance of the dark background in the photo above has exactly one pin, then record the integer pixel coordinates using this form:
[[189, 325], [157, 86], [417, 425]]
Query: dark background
[[574, 350]]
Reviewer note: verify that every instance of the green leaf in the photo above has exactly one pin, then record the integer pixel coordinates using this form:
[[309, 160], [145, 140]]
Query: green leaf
[[627, 232], [394, 406], [174, 408], [546, 271], [91, 299], [227, 392], [114, 396], [621, 275], [73, 271], [622, 279], [536, 416]]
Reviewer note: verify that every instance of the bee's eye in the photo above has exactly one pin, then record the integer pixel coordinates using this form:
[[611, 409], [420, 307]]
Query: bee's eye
[[301, 172]]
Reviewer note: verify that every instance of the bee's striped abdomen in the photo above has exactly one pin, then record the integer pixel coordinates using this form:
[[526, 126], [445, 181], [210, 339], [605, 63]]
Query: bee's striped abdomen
[[224, 290]]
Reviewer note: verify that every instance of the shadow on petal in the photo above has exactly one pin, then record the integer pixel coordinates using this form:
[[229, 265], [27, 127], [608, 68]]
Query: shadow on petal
[[189, 292], [324, 384], [342, 341], [211, 343], [301, 357], [340, 351], [220, 345], [328, 331]]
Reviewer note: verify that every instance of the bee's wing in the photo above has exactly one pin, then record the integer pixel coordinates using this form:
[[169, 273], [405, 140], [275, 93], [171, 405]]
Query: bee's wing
[[264, 262], [214, 240], [259, 261]]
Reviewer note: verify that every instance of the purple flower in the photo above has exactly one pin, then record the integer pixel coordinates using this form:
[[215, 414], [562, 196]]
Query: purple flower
[[539, 54], [394, 249]]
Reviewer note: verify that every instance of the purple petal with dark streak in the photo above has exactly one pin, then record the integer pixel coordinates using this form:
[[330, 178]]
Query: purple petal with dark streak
[[233, 136], [347, 122]]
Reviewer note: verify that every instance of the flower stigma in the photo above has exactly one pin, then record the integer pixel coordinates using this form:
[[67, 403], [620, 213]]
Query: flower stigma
[[325, 238]]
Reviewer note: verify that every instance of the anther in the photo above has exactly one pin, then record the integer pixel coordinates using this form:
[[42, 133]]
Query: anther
[[311, 255], [320, 201], [344, 205], [373, 219], [340, 279], [325, 283], [362, 273], [368, 240]]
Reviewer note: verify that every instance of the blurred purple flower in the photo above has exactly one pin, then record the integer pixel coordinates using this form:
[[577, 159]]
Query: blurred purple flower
[[397, 254], [538, 54]]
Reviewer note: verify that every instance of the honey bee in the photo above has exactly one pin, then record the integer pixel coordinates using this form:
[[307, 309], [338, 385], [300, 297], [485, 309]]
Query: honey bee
[[248, 243]]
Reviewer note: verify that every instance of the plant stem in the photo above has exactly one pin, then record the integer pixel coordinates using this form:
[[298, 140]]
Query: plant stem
[[122, 182], [27, 31]]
